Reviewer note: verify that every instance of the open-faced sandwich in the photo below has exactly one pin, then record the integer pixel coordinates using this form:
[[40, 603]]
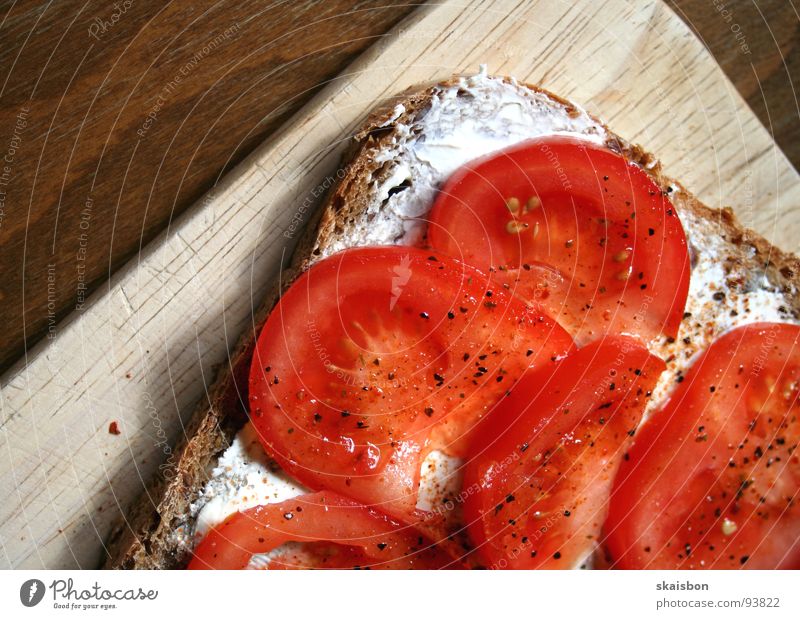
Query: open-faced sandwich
[[506, 341]]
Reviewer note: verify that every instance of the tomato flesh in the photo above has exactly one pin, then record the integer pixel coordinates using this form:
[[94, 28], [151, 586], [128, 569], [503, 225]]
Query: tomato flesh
[[610, 234], [375, 356], [335, 532], [713, 480], [539, 479]]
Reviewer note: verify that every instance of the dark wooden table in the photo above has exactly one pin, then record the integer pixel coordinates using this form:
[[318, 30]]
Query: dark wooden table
[[103, 144]]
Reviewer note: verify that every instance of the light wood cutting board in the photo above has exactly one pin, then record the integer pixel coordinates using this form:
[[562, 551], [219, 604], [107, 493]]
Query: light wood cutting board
[[142, 351]]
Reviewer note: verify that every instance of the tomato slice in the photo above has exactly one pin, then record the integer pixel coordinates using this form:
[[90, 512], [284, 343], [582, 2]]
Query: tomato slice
[[335, 532], [616, 243], [324, 555], [538, 483], [376, 356], [713, 480]]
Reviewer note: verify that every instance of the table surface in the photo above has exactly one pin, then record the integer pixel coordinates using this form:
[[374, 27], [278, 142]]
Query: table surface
[[115, 118]]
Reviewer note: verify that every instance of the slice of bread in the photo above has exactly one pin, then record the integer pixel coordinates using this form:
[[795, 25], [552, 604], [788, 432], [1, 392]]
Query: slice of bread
[[387, 181]]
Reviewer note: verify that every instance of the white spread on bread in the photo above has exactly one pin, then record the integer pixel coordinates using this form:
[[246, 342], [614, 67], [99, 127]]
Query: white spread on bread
[[244, 477], [473, 118], [478, 116], [727, 289]]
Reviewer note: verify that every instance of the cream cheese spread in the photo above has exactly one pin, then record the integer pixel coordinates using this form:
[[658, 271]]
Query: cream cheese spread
[[475, 117]]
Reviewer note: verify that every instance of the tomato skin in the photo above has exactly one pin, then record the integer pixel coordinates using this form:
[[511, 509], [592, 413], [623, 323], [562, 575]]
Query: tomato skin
[[604, 226], [715, 472], [366, 538], [376, 356], [540, 475]]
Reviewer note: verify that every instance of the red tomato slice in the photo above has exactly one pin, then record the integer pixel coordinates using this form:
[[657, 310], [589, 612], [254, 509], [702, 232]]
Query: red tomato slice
[[377, 355], [612, 236], [713, 480], [323, 555], [538, 483], [335, 533]]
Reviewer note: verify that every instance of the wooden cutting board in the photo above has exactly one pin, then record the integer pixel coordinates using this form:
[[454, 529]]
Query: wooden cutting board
[[142, 351]]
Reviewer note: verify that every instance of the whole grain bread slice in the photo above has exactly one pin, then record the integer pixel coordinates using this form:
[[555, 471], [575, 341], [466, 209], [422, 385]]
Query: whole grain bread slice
[[146, 537]]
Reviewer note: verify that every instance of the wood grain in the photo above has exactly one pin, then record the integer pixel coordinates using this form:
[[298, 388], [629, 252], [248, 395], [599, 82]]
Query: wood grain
[[103, 164], [757, 44], [89, 85], [142, 351]]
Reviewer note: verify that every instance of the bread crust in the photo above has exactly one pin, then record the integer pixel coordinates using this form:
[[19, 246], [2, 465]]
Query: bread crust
[[144, 539]]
